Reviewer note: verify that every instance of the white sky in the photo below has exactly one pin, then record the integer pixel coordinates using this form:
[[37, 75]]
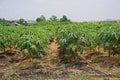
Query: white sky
[[76, 10]]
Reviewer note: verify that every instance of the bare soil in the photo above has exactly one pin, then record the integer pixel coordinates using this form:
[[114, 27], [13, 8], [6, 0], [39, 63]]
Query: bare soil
[[53, 66]]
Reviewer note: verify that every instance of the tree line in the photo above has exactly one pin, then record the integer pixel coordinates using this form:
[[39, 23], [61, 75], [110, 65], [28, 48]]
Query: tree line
[[42, 18], [53, 18]]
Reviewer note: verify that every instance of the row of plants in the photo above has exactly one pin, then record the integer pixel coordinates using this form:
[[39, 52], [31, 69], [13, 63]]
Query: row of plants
[[30, 40], [73, 38], [76, 38]]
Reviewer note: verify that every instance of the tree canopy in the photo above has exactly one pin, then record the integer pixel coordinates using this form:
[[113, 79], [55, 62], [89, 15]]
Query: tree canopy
[[41, 18], [64, 19], [53, 18]]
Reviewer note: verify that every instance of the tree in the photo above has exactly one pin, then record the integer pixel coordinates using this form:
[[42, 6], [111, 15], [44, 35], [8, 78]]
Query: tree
[[41, 18], [64, 19], [4, 22], [53, 18], [0, 19], [21, 21]]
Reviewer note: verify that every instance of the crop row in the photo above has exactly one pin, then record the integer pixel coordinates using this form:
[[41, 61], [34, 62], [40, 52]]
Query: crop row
[[76, 38], [30, 40], [72, 37]]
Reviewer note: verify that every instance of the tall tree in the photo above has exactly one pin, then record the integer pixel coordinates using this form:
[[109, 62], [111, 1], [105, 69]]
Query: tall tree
[[21, 21], [53, 18], [64, 18], [41, 18], [4, 22]]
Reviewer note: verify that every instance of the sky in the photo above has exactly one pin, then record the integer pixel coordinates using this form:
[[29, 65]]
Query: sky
[[75, 10]]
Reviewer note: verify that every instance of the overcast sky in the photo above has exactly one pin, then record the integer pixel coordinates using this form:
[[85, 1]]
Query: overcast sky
[[76, 10]]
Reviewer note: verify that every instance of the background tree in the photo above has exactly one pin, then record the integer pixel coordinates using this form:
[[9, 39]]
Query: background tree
[[53, 18], [41, 18], [21, 21], [64, 19], [4, 22], [1, 21]]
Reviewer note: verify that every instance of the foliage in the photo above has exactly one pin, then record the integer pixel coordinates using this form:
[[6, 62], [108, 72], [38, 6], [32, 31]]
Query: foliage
[[64, 19], [53, 18], [74, 38], [31, 40], [21, 21], [41, 19], [4, 22]]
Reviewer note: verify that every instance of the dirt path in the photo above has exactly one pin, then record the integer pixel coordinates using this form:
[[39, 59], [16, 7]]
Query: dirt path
[[52, 58], [51, 67]]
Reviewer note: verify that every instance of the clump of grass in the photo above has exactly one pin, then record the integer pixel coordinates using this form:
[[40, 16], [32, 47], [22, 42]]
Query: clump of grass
[[78, 77]]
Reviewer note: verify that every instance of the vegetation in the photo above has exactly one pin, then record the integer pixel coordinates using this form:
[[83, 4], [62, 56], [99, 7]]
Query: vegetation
[[73, 38], [64, 19], [4, 22], [39, 48], [31, 40], [53, 18], [41, 19]]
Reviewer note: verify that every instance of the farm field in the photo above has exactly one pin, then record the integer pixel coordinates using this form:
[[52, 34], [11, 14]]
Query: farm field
[[60, 51]]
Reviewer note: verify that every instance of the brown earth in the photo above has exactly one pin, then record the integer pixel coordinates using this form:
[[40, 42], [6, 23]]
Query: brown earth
[[53, 66]]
